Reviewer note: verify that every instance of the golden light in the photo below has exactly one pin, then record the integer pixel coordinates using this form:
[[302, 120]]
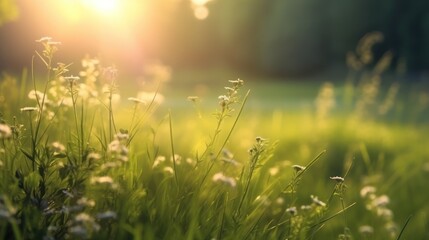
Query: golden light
[[102, 6], [201, 11]]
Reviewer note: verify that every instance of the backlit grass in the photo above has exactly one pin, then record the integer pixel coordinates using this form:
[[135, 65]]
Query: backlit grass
[[81, 159]]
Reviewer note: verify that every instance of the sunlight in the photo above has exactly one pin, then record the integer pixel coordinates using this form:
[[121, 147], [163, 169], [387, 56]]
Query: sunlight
[[103, 6]]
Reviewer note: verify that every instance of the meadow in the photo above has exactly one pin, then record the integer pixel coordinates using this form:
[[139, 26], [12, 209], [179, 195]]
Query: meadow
[[88, 155]]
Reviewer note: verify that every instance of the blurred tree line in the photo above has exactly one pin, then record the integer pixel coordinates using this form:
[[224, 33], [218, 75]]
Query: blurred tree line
[[292, 37], [281, 37]]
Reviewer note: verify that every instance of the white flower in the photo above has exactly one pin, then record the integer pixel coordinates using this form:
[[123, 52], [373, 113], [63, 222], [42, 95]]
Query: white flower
[[367, 190], [29, 109], [366, 230], [93, 156], [317, 201], [381, 201], [220, 177], [5, 131], [158, 160], [103, 179], [168, 170], [58, 147]]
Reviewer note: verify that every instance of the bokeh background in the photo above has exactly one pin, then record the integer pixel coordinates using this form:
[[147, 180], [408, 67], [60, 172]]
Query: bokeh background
[[280, 38]]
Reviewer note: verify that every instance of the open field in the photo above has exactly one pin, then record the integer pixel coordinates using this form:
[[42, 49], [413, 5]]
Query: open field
[[290, 160]]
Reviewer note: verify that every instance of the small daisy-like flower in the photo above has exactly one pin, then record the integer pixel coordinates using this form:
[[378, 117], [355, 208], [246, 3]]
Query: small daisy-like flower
[[72, 79], [29, 109], [237, 83], [316, 201], [337, 179], [292, 211], [298, 168]]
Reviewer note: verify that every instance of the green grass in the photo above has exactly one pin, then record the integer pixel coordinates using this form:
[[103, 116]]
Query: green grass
[[287, 160]]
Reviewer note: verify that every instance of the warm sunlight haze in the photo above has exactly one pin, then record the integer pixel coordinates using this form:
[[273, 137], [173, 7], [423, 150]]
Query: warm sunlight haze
[[214, 119], [102, 6]]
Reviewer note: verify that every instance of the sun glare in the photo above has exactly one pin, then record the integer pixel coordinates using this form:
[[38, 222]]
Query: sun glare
[[103, 6]]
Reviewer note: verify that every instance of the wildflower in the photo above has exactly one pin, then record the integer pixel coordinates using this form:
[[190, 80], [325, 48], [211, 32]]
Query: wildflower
[[5, 131], [381, 201], [220, 177], [58, 147], [367, 191], [260, 139], [237, 83], [103, 179], [82, 217], [366, 230], [292, 211], [86, 202], [169, 170], [385, 213], [317, 201], [93, 156], [72, 79], [224, 100], [29, 109], [190, 161], [35, 95], [298, 168], [177, 158], [337, 179], [158, 160], [306, 207], [44, 39]]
